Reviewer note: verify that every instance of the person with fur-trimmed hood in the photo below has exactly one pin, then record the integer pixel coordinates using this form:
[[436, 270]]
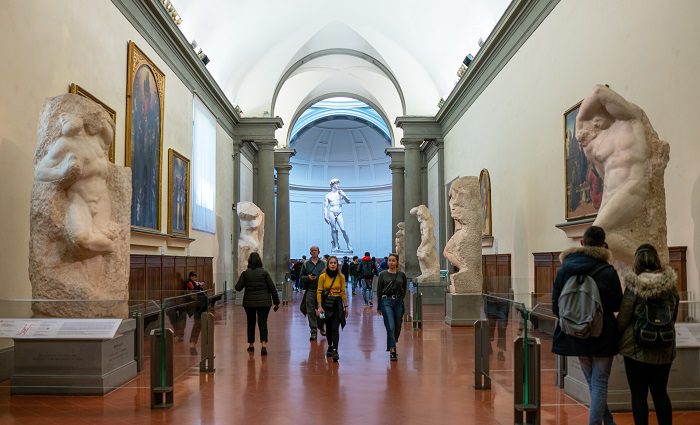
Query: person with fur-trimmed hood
[[594, 353], [647, 368]]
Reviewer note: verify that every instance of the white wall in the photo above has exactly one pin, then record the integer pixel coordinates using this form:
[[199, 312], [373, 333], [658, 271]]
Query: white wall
[[246, 180], [50, 45], [367, 221], [645, 50]]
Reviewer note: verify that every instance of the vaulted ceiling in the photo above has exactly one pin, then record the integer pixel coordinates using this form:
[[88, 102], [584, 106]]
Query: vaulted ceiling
[[277, 57]]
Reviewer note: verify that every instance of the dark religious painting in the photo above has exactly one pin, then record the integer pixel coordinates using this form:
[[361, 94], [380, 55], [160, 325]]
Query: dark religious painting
[[178, 194], [584, 186], [485, 188], [144, 138]]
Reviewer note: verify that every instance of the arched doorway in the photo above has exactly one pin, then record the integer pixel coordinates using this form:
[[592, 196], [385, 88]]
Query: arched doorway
[[340, 138]]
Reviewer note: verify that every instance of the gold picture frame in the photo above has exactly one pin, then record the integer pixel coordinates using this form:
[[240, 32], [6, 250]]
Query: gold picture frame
[[583, 187], [145, 94], [485, 190], [178, 194], [76, 89]]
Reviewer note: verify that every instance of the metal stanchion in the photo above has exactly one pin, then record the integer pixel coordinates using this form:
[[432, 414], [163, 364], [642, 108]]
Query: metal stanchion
[[286, 293], [206, 364], [482, 343], [561, 370], [526, 381], [417, 310], [138, 340], [162, 394]]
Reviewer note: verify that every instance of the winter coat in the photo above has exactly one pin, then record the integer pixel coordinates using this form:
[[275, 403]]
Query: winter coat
[[260, 291], [580, 260], [639, 288]]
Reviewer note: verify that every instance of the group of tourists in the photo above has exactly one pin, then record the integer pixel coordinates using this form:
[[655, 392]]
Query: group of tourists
[[325, 301], [643, 331]]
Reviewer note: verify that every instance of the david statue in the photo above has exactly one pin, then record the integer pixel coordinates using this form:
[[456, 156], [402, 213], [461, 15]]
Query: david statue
[[333, 215]]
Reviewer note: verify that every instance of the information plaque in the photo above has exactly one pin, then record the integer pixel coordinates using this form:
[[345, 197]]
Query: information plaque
[[53, 328]]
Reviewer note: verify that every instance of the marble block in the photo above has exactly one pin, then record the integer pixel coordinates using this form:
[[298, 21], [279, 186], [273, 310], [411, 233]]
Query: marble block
[[252, 234], [463, 309], [620, 142], [80, 219]]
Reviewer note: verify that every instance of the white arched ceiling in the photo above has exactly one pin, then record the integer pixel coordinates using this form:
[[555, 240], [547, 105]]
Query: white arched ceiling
[[253, 44], [329, 76]]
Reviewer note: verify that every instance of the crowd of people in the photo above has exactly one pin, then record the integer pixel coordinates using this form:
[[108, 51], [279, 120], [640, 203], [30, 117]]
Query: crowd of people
[[642, 331]]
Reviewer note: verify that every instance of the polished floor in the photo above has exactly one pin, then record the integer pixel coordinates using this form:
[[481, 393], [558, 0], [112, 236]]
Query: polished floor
[[432, 383]]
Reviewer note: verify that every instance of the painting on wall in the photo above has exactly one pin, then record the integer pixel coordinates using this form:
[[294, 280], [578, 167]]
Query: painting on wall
[[584, 186], [76, 89], [485, 187], [178, 194], [144, 137]]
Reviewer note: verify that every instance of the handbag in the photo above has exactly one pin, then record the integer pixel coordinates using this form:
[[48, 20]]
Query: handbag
[[327, 300]]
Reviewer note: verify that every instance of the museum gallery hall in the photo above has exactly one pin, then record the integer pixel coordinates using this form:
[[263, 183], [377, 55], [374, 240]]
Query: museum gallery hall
[[458, 212]]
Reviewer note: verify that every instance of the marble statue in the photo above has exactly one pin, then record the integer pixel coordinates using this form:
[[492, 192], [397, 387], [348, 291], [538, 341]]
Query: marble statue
[[333, 216], [80, 214], [463, 250], [618, 139], [427, 251], [400, 245], [252, 233]]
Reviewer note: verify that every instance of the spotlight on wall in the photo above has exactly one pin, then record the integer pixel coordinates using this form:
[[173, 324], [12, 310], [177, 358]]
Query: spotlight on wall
[[480, 42], [440, 103], [465, 63], [468, 59]]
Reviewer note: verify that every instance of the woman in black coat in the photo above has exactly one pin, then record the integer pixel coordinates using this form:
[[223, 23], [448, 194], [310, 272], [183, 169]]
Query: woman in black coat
[[260, 294]]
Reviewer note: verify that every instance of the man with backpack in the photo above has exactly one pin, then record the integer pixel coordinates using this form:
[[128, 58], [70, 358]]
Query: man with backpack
[[585, 294], [367, 271]]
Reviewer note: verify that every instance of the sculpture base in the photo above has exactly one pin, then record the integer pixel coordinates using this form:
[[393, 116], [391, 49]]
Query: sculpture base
[[463, 309], [683, 387], [74, 367], [342, 251], [433, 292]]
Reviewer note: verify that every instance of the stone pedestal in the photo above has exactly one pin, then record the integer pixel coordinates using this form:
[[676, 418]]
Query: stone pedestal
[[463, 309], [683, 383], [433, 292], [74, 367]]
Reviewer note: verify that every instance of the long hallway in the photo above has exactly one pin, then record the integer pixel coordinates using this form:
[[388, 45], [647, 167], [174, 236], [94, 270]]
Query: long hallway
[[432, 382]]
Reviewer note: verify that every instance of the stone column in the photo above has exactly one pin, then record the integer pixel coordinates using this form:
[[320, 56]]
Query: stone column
[[397, 189], [412, 198], [266, 201], [236, 199], [261, 131], [283, 167]]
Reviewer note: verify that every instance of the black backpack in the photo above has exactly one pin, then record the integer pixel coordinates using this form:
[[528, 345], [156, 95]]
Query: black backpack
[[653, 324], [366, 270]]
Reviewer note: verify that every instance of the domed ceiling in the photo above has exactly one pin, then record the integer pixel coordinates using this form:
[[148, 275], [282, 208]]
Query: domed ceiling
[[344, 142]]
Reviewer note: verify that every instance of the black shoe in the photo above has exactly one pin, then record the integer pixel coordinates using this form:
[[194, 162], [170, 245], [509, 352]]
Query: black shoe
[[393, 356], [329, 352], [313, 335], [323, 331], [335, 356], [250, 349], [371, 304], [263, 351]]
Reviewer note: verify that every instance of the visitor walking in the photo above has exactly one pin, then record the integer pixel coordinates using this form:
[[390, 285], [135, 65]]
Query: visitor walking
[[392, 285], [332, 304]]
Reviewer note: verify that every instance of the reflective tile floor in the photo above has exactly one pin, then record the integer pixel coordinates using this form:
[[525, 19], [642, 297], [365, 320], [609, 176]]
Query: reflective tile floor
[[432, 383]]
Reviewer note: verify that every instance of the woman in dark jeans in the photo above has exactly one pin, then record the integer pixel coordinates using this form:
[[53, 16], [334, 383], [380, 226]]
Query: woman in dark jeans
[[333, 281], [260, 294], [648, 367], [391, 288]]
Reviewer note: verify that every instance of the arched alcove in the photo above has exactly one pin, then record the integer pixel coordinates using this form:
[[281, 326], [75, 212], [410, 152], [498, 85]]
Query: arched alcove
[[340, 138]]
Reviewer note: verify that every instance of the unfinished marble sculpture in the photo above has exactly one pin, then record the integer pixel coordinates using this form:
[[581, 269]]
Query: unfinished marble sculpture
[[427, 251], [619, 140], [400, 234], [463, 250], [80, 214], [252, 233]]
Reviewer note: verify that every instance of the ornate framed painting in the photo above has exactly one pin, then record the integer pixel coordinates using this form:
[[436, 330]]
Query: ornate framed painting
[[76, 89], [145, 90], [584, 186], [485, 188], [178, 194]]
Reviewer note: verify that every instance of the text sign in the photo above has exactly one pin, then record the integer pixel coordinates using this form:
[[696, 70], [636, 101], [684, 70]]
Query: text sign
[[52, 328]]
